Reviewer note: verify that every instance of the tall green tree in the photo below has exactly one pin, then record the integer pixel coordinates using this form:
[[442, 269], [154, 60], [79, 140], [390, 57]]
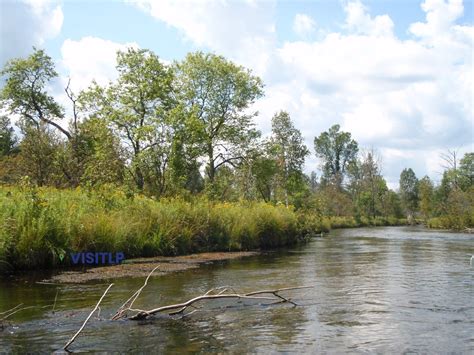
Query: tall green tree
[[290, 152], [218, 94], [336, 150], [138, 107], [264, 169], [38, 155], [103, 161], [25, 94], [7, 137], [409, 192], [466, 171], [426, 197], [367, 185]]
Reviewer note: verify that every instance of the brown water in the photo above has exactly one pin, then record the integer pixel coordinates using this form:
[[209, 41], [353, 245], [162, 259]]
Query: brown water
[[380, 290]]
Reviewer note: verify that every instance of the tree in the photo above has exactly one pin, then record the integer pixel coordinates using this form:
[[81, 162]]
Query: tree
[[336, 150], [218, 94], [138, 106], [7, 137], [393, 205], [289, 152], [313, 181], [409, 192], [367, 185], [24, 92], [466, 171], [264, 168], [38, 153], [450, 164], [103, 162], [426, 195]]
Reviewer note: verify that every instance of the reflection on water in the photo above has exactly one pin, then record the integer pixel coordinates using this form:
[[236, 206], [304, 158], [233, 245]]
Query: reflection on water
[[375, 290]]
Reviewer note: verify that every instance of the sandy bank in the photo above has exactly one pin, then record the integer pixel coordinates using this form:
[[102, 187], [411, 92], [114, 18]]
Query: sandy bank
[[142, 266]]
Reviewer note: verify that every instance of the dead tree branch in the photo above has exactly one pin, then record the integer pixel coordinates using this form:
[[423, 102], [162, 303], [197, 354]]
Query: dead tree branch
[[121, 312], [181, 307], [87, 319]]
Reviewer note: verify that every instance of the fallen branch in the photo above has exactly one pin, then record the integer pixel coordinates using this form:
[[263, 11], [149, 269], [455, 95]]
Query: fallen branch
[[121, 312], [87, 319], [16, 309], [11, 309], [181, 307]]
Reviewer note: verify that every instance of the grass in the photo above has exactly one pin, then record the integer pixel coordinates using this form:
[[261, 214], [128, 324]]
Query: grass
[[39, 227], [451, 222]]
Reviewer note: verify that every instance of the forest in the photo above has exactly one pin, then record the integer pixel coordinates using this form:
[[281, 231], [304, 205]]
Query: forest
[[167, 160]]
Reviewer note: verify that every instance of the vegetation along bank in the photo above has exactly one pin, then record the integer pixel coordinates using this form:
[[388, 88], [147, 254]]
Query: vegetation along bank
[[167, 160]]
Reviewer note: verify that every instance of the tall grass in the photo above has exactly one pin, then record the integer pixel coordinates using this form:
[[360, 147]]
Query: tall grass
[[39, 226]]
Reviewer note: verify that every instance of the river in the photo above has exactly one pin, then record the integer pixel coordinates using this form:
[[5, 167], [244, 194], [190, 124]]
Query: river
[[383, 290]]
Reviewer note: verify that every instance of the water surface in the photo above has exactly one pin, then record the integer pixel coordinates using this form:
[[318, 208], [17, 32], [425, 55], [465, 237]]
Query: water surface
[[395, 289]]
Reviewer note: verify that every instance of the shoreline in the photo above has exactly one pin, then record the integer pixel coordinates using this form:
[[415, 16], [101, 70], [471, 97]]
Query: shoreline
[[141, 267]]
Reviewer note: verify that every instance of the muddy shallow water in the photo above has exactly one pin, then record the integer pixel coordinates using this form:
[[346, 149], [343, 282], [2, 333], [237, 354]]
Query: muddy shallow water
[[395, 289]]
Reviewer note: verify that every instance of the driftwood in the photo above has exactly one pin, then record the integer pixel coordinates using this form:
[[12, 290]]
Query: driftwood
[[181, 307], [222, 292], [87, 319], [129, 303]]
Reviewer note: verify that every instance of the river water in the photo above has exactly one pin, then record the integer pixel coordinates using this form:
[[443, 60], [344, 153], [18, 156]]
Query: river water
[[382, 290]]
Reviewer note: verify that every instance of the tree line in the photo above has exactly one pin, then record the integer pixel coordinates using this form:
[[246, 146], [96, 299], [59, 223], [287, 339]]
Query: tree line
[[187, 129]]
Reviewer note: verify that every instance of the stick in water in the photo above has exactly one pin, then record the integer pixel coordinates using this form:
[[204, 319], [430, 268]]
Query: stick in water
[[87, 319]]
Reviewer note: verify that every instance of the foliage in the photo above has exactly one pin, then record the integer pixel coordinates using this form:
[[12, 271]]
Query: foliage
[[8, 140], [288, 152], [217, 94], [426, 195], [409, 191], [336, 150], [25, 94], [137, 107]]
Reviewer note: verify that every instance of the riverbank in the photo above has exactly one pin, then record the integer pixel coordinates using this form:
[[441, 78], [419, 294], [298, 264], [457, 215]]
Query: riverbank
[[141, 267], [41, 228], [44, 228]]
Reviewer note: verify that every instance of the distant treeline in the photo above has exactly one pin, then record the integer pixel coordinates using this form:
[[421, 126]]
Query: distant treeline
[[187, 131]]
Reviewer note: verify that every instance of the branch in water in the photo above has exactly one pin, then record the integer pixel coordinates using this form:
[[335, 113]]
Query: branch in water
[[87, 319], [181, 307]]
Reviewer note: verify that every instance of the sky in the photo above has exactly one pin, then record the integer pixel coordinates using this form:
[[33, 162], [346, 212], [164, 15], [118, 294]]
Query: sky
[[397, 74]]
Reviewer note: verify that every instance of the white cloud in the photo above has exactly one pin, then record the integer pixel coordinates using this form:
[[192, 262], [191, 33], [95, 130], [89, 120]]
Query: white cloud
[[82, 61], [410, 96], [90, 58], [440, 15], [359, 21], [303, 25], [28, 23], [241, 30]]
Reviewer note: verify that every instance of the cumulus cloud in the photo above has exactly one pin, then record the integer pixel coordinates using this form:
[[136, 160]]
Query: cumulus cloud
[[303, 25], [359, 21], [90, 58], [408, 97], [440, 15], [25, 24], [242, 30], [82, 61]]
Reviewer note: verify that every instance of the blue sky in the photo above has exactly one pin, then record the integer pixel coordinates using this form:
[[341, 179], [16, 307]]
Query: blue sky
[[119, 21], [396, 74]]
